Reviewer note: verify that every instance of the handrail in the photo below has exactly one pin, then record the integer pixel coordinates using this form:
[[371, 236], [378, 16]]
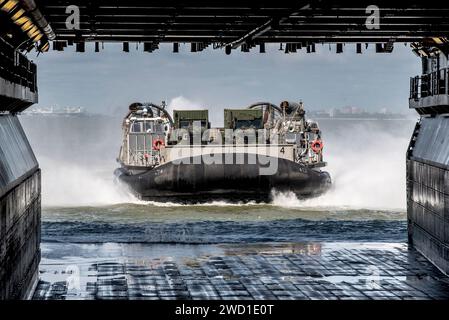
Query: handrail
[[431, 84], [16, 68]]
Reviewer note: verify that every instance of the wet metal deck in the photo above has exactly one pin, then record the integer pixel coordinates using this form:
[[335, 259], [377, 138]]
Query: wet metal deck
[[261, 271]]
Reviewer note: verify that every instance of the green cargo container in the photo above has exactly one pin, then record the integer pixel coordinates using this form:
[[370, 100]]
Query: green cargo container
[[186, 118]]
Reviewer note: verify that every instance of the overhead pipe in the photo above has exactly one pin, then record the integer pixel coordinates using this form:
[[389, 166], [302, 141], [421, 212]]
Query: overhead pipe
[[257, 104], [257, 32], [31, 7], [251, 35]]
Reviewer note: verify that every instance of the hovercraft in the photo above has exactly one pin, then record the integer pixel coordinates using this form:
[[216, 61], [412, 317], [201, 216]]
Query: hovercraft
[[261, 148]]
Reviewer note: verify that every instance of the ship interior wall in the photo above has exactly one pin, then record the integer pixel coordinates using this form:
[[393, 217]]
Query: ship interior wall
[[428, 190], [20, 211]]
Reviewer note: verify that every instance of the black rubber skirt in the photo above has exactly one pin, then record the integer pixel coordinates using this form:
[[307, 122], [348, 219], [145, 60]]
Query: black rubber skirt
[[192, 180]]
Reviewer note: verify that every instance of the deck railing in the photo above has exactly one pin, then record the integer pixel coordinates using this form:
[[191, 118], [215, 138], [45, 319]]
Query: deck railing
[[16, 68], [434, 83]]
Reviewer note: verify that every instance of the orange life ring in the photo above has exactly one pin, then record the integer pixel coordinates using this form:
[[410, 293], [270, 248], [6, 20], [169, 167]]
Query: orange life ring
[[158, 144], [317, 146]]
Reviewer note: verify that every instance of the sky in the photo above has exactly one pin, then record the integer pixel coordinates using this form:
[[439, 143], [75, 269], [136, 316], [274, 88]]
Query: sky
[[108, 81]]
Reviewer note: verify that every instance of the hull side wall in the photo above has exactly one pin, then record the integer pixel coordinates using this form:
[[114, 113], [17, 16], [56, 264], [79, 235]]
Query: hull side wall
[[20, 212], [428, 191]]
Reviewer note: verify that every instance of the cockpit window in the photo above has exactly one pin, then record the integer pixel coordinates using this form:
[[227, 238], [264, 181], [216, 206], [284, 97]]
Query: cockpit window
[[136, 127], [148, 126], [144, 126], [158, 128]]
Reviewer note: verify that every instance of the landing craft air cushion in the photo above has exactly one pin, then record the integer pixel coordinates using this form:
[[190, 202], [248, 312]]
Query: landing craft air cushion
[[261, 149]]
